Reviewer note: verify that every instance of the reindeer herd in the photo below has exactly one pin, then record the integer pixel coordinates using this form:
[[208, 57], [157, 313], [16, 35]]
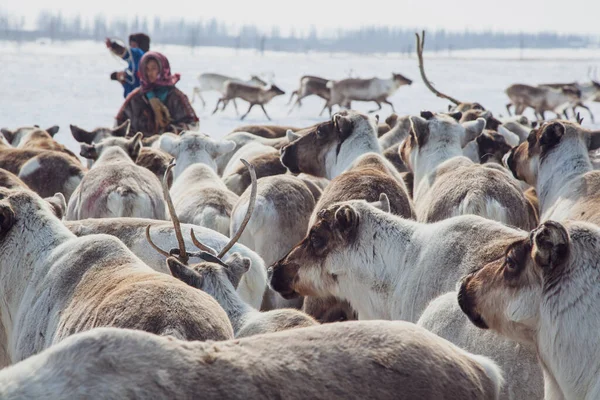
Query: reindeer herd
[[184, 266]]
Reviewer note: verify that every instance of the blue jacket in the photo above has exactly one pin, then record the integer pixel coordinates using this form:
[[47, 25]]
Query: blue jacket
[[132, 79]]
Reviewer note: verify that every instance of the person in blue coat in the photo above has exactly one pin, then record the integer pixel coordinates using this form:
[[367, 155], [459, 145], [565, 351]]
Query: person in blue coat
[[139, 44]]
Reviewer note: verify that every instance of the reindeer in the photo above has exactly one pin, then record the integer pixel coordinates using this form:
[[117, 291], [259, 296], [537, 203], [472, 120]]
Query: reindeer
[[588, 91], [193, 147], [266, 131], [448, 184], [45, 172], [541, 99], [555, 160], [34, 138], [252, 94], [254, 287], [55, 284], [216, 82], [220, 279], [328, 149], [320, 362], [397, 275], [533, 293], [99, 134], [115, 186], [375, 89], [314, 85], [279, 220]]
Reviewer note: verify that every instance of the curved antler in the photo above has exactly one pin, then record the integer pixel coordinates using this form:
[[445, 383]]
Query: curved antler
[[154, 246], [183, 255], [420, 44], [199, 244], [237, 235]]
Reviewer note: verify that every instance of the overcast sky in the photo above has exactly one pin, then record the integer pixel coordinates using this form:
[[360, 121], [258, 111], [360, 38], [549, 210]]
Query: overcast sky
[[570, 16]]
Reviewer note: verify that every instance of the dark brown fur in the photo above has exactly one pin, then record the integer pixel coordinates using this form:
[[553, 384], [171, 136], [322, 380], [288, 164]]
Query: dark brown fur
[[264, 165], [156, 161], [266, 131]]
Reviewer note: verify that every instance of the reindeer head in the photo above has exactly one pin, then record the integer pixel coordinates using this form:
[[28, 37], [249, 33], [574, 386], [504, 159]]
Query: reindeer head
[[99, 134], [401, 79], [552, 137], [491, 147], [211, 274], [316, 265], [506, 294], [431, 133], [194, 147], [312, 149], [131, 146], [17, 136], [236, 265], [22, 214], [275, 91]]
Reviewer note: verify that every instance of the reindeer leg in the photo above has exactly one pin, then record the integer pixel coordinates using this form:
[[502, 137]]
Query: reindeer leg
[[193, 95], [386, 101], [217, 107], [508, 108], [323, 109], [265, 111], [378, 104], [542, 115], [295, 92], [247, 112], [236, 108]]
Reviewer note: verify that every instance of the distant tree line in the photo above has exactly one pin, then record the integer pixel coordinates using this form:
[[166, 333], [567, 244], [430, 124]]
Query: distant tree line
[[55, 26]]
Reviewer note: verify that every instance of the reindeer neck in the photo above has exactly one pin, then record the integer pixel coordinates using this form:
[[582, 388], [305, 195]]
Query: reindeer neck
[[560, 167], [28, 259], [236, 309], [375, 265], [428, 161], [341, 157]]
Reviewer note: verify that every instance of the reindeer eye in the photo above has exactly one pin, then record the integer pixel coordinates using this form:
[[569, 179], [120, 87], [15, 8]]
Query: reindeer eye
[[316, 241], [510, 264]]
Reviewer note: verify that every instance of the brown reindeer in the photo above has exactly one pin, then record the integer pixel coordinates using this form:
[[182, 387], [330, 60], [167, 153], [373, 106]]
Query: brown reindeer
[[252, 94]]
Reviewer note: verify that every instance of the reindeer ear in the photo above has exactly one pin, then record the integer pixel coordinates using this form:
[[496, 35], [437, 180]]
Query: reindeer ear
[[53, 130], [8, 134], [472, 130], [81, 135], [170, 145], [291, 136], [427, 115], [88, 151], [550, 245], [135, 146], [222, 147], [123, 129], [7, 218], [344, 125], [58, 203], [383, 204], [346, 218], [392, 120], [552, 134], [184, 273], [237, 267], [419, 130]]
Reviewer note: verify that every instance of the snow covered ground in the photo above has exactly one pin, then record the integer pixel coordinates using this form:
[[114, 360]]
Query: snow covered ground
[[68, 83]]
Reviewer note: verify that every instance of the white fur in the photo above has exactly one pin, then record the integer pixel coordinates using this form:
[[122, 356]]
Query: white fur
[[194, 147], [30, 167], [189, 192]]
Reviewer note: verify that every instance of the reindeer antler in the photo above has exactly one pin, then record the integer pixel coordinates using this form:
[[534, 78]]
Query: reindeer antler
[[183, 255], [420, 44], [249, 212]]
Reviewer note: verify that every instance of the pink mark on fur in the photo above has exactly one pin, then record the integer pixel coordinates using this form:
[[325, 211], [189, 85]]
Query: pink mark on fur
[[100, 192]]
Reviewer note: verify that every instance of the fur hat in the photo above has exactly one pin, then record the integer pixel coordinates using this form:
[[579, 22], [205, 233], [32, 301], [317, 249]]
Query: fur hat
[[142, 40]]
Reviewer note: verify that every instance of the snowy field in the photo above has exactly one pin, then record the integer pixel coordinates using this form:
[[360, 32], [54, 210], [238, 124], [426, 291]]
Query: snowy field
[[68, 83]]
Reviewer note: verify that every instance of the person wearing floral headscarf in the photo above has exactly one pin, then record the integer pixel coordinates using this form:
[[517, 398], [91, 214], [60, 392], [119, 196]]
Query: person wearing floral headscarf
[[157, 106]]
